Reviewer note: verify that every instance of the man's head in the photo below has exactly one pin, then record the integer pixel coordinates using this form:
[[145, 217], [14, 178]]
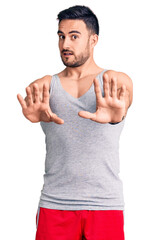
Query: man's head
[[78, 34]]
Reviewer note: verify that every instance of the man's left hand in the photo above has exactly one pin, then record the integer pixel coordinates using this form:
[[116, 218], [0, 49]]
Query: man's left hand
[[110, 108]]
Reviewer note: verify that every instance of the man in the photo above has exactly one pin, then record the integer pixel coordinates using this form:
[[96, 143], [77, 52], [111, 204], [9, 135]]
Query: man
[[81, 111]]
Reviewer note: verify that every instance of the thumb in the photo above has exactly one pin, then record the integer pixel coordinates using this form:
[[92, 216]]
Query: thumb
[[55, 118]]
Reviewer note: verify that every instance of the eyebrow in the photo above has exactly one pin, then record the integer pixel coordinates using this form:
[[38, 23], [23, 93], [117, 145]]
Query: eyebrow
[[69, 32]]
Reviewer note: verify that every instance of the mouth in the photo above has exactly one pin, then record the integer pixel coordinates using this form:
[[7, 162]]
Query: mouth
[[67, 54]]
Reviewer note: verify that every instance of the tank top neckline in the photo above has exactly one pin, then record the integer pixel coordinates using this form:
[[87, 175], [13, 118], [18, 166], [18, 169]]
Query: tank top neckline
[[69, 95]]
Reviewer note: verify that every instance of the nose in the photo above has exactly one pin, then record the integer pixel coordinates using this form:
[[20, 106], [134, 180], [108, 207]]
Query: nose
[[66, 43]]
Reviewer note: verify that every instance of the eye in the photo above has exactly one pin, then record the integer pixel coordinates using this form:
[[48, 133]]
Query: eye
[[61, 36], [74, 36]]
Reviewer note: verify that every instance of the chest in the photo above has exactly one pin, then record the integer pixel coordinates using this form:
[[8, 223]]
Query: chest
[[76, 88]]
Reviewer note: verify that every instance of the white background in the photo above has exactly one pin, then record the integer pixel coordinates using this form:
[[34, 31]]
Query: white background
[[28, 51]]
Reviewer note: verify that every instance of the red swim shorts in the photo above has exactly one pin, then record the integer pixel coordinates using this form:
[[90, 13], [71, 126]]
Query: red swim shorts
[[55, 224]]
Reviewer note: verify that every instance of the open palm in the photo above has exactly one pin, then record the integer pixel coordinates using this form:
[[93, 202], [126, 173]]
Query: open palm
[[38, 110], [109, 108]]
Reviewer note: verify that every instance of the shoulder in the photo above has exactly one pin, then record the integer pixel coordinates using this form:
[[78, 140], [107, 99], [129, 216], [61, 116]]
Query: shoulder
[[46, 78], [122, 79], [40, 81]]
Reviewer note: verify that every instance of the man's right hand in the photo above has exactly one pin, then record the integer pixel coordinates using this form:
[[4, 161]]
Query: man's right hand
[[36, 109]]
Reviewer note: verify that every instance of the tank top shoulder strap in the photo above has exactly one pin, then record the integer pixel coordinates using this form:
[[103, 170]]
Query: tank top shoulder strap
[[100, 77], [52, 83]]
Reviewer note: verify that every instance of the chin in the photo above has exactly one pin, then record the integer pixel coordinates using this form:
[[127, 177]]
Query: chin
[[68, 64]]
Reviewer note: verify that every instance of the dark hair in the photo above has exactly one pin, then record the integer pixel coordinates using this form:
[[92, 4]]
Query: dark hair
[[82, 13]]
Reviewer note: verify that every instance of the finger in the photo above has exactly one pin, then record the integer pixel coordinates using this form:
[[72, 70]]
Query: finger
[[21, 101], [98, 91], [55, 118], [87, 115], [36, 93], [26, 100], [122, 92], [114, 87], [45, 94], [106, 85], [29, 96]]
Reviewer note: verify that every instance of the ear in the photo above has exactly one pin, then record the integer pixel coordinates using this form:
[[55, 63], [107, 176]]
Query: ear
[[94, 40]]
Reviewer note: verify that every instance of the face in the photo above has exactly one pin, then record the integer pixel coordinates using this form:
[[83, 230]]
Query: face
[[74, 42]]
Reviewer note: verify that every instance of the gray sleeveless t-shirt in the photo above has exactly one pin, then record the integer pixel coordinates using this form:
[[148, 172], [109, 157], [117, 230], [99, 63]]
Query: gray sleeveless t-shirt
[[82, 156]]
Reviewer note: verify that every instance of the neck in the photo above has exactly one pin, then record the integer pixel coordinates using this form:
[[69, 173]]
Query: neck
[[88, 68]]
